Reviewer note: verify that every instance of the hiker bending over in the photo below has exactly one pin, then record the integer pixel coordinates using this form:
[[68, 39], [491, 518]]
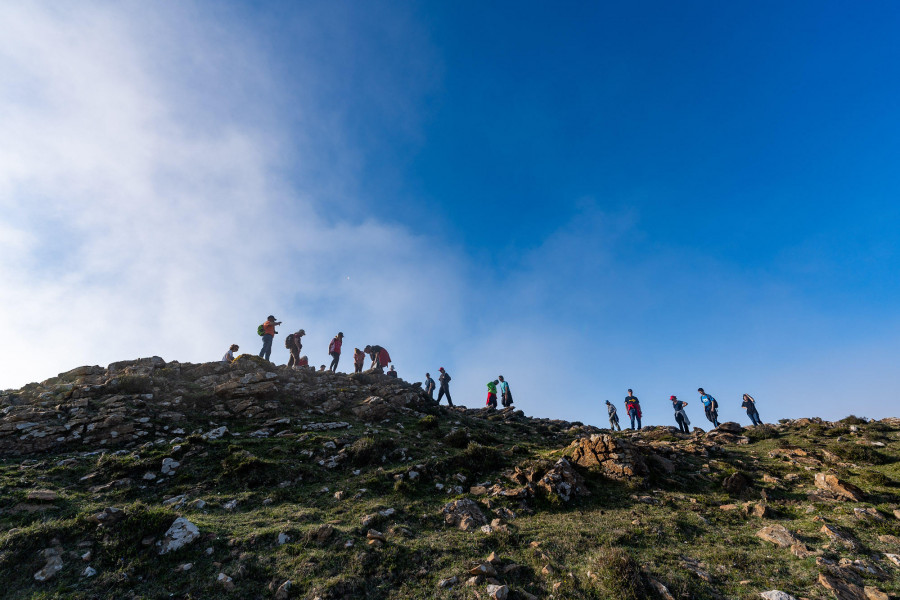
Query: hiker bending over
[[229, 356], [633, 409], [391, 372], [267, 331], [680, 416], [359, 357], [294, 343], [492, 394], [302, 363], [710, 407], [750, 404], [613, 417], [505, 394], [429, 385], [444, 379], [380, 357], [334, 349]]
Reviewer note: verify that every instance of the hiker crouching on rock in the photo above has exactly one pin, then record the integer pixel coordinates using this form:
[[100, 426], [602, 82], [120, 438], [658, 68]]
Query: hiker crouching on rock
[[750, 404], [680, 416], [267, 331], [229, 356], [380, 357], [294, 343], [492, 394], [444, 378], [391, 372], [613, 417], [334, 349], [359, 357], [633, 408], [505, 394], [710, 407]]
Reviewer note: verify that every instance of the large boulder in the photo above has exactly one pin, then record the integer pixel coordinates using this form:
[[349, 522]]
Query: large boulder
[[563, 481], [616, 458]]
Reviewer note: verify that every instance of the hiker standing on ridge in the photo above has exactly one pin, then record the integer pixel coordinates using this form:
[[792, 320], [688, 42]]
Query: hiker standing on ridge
[[680, 416], [429, 385], [294, 343], [444, 378], [613, 417], [505, 394], [710, 406], [359, 357], [633, 408], [334, 349], [380, 357], [492, 394], [229, 356], [750, 404], [267, 331]]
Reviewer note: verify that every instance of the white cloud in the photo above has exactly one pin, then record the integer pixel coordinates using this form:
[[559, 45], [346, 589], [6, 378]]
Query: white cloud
[[133, 225]]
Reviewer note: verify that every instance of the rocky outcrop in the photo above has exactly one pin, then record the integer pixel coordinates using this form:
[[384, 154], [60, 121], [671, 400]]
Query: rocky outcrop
[[563, 481], [617, 458], [141, 400]]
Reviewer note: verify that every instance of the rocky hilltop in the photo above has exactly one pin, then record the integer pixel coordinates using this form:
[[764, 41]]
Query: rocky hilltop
[[155, 479]]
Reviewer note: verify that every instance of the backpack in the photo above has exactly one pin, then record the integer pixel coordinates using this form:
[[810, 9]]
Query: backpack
[[289, 341], [261, 330], [713, 403]]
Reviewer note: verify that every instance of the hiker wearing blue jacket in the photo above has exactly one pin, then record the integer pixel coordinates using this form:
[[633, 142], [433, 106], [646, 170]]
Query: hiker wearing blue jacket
[[710, 406]]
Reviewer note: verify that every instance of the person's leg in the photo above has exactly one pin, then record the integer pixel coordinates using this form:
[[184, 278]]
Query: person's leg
[[266, 352], [335, 357], [632, 414], [449, 401], [639, 421], [618, 425], [440, 394]]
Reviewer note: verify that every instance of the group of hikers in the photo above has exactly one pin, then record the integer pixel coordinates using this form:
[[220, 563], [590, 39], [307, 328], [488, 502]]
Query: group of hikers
[[498, 387], [710, 407], [294, 344]]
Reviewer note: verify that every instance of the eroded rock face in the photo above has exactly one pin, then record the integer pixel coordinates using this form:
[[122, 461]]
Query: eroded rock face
[[617, 458], [464, 514], [841, 490]]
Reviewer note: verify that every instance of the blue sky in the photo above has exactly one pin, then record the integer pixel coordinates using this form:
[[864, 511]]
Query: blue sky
[[583, 197]]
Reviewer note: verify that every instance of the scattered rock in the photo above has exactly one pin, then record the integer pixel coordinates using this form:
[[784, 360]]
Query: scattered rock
[[841, 489], [89, 571], [448, 582], [284, 590], [42, 495], [465, 514], [776, 595], [779, 536], [498, 592], [736, 483], [181, 533], [53, 566], [225, 581]]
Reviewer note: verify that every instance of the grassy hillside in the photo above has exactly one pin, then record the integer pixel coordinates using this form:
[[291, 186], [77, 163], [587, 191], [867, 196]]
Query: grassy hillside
[[342, 496]]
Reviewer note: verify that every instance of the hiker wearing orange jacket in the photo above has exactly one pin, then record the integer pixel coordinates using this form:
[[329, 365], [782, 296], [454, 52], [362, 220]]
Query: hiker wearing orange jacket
[[268, 334]]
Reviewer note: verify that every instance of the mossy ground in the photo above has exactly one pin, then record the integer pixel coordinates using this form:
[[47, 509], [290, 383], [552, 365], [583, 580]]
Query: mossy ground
[[599, 546]]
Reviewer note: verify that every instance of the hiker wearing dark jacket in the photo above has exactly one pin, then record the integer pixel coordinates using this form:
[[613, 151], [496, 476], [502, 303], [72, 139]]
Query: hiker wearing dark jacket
[[633, 408], [613, 416], [334, 349], [680, 416], [710, 407], [750, 404], [268, 334], [294, 343], [505, 395], [391, 372], [444, 380], [429, 385]]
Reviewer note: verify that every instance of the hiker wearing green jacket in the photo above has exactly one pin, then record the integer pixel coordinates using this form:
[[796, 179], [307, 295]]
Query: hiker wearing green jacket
[[492, 394]]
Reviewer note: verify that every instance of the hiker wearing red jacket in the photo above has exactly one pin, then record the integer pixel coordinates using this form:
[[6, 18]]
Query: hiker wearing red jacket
[[380, 357], [633, 408], [334, 349], [359, 357]]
